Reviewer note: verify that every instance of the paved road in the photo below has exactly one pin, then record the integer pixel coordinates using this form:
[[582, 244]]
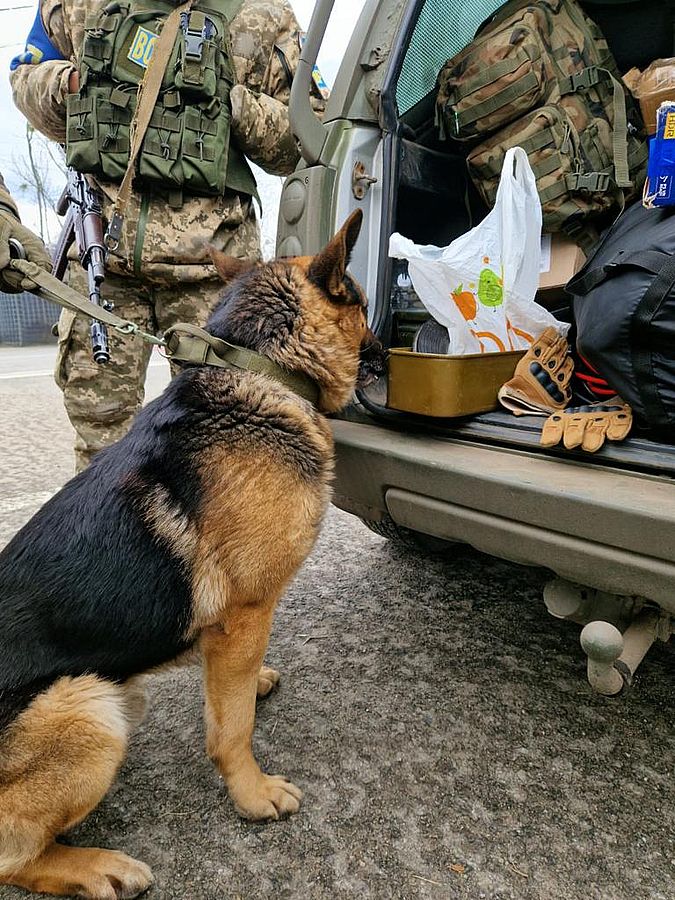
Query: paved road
[[436, 717], [36, 439]]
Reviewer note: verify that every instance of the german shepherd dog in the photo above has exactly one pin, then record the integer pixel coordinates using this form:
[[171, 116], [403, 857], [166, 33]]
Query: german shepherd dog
[[182, 536]]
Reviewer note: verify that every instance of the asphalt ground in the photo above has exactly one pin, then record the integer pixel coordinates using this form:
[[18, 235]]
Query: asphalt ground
[[434, 714]]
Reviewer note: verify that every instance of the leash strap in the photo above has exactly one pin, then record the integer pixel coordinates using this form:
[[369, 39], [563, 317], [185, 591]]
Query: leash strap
[[191, 344], [148, 91], [182, 342], [52, 289]]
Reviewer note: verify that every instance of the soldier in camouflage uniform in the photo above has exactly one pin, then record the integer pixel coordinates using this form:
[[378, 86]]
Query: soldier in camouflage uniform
[[161, 272], [11, 227]]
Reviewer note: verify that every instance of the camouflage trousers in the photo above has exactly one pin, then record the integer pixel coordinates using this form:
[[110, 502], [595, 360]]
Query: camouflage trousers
[[101, 400]]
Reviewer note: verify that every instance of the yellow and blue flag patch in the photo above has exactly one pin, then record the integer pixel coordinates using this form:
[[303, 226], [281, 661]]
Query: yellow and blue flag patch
[[38, 47], [142, 46], [319, 84]]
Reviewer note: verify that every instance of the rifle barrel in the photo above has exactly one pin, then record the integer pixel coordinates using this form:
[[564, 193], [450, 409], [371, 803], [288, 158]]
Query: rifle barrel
[[85, 209]]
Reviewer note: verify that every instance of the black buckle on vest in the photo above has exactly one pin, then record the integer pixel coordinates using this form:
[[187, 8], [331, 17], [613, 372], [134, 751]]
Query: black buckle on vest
[[194, 41], [194, 38]]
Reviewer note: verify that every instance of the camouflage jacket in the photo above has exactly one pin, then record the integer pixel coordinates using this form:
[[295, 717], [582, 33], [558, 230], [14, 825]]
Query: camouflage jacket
[[6, 201], [157, 241]]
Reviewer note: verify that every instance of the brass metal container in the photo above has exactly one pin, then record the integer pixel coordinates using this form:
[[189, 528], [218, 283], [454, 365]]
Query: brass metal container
[[432, 384]]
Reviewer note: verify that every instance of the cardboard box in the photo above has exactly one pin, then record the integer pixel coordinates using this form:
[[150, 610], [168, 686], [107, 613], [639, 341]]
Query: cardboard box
[[652, 88], [561, 259]]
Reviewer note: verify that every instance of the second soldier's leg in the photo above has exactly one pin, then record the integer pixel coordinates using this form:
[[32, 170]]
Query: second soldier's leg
[[186, 302], [193, 301], [101, 400]]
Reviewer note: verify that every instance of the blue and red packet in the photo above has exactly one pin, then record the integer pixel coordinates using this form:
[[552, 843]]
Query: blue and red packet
[[660, 185]]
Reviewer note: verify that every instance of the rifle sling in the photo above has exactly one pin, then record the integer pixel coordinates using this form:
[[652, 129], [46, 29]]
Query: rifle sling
[[182, 342]]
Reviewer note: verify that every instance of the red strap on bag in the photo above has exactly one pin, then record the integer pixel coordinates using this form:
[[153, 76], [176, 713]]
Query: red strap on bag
[[592, 379]]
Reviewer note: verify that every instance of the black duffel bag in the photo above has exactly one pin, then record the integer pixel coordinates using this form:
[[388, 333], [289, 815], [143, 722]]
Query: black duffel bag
[[624, 309]]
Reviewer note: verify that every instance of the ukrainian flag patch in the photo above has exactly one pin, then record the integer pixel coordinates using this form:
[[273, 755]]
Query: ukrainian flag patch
[[142, 46], [38, 47]]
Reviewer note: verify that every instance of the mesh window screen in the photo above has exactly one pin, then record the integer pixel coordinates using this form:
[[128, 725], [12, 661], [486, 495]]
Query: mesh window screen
[[442, 30]]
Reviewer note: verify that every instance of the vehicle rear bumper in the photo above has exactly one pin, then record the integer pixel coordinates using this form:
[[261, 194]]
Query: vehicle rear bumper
[[601, 527]]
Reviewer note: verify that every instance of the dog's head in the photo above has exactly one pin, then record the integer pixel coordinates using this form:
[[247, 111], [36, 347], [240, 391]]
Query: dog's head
[[305, 313]]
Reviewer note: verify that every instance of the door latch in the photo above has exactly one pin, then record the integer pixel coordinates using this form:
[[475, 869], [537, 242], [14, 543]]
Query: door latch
[[361, 181]]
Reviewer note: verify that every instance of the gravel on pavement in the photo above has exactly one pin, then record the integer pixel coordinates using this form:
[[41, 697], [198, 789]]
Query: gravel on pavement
[[436, 717]]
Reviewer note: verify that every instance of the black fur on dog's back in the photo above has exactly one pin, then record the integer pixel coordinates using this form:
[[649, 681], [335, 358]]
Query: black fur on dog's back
[[85, 585]]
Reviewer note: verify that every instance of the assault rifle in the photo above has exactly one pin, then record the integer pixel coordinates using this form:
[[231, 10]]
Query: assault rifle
[[81, 205]]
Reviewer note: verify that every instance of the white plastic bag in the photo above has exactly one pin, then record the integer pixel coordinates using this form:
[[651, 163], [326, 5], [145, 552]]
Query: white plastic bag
[[482, 286]]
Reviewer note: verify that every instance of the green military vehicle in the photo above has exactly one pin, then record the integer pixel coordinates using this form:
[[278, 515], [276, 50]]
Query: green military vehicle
[[604, 524]]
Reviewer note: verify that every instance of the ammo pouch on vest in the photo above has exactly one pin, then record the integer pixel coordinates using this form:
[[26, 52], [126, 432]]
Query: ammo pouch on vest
[[542, 77], [187, 147]]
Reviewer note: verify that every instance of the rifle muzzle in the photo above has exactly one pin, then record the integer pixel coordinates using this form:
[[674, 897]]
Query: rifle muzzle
[[99, 343]]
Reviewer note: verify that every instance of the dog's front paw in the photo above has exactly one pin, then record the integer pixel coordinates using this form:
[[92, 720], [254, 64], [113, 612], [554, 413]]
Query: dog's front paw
[[116, 876], [268, 679], [265, 797], [84, 872]]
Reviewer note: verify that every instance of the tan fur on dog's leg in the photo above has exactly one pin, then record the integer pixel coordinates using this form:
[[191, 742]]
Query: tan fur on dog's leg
[[268, 679], [232, 660], [85, 872], [58, 760]]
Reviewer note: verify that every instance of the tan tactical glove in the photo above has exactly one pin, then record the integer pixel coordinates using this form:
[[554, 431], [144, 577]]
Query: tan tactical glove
[[11, 227], [588, 426], [540, 384]]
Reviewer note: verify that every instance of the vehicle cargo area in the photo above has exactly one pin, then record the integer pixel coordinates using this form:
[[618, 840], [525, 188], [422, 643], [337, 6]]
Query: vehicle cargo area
[[434, 200]]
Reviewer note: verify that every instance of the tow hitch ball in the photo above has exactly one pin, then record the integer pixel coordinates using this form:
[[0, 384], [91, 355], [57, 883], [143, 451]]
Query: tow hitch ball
[[617, 634]]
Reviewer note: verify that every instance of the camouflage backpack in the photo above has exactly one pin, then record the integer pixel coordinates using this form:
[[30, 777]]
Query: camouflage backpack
[[541, 76]]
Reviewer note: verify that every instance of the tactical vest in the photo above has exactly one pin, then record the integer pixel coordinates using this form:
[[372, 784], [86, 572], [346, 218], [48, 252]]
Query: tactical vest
[[187, 147]]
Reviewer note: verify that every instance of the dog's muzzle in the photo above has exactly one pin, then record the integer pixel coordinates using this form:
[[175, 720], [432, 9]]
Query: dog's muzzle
[[372, 361]]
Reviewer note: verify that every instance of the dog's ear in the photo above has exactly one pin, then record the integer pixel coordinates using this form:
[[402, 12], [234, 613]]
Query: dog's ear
[[230, 267], [328, 267]]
